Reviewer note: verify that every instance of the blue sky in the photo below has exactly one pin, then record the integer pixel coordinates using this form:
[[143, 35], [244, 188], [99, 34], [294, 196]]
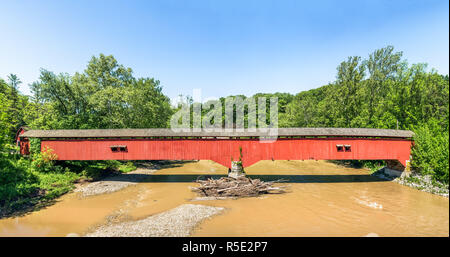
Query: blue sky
[[220, 47]]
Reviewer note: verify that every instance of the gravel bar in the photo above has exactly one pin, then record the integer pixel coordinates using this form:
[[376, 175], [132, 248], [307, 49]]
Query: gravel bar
[[177, 222], [114, 183]]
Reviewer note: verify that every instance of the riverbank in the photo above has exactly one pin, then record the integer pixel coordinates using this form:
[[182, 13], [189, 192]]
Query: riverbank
[[415, 180], [25, 188], [116, 182]]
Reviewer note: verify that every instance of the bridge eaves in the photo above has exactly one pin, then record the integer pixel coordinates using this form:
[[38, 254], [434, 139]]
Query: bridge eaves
[[284, 132]]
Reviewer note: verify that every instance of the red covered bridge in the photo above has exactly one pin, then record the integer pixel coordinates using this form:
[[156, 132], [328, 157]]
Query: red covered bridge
[[222, 147]]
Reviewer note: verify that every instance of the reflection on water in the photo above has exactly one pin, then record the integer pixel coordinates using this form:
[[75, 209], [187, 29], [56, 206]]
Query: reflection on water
[[324, 200]]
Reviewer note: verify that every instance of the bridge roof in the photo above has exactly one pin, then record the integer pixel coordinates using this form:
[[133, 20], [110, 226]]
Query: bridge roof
[[118, 133]]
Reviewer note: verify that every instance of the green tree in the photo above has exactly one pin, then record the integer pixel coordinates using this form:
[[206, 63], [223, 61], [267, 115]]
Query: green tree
[[347, 92], [383, 66], [105, 95]]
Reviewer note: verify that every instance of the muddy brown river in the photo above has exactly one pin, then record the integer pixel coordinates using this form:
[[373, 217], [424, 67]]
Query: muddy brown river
[[324, 199]]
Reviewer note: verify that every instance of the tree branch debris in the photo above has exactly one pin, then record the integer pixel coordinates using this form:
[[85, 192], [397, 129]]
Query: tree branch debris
[[237, 187]]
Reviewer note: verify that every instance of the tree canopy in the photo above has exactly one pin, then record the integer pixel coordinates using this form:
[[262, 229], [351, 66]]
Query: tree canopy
[[105, 95]]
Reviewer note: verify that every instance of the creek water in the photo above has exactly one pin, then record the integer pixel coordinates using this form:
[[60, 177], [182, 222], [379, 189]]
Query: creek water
[[323, 199]]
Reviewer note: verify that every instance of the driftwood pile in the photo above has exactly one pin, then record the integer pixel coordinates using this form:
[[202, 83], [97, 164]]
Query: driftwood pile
[[236, 187]]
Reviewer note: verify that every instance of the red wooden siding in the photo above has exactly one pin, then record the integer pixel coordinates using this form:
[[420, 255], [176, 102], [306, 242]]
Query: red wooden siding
[[221, 150], [23, 143]]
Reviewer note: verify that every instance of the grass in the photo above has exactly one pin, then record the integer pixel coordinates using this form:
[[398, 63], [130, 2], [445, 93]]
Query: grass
[[24, 187], [126, 167], [56, 184]]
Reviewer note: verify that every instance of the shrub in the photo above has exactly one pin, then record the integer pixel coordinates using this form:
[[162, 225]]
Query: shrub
[[35, 145], [23, 183], [430, 153], [56, 184], [45, 161], [16, 182], [94, 170], [127, 167]]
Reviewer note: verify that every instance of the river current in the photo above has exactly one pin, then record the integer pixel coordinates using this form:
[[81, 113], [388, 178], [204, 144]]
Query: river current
[[323, 199]]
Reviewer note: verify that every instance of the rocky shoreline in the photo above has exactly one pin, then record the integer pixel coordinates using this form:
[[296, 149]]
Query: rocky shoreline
[[414, 180], [113, 183], [177, 222]]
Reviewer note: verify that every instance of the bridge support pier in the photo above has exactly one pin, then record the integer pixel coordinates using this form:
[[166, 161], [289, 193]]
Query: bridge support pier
[[394, 168], [237, 170]]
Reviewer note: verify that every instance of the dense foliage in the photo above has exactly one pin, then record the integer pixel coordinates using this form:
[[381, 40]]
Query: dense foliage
[[381, 91], [105, 95], [430, 151]]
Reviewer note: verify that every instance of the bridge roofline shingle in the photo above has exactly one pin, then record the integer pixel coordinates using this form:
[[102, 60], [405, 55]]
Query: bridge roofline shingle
[[153, 132]]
